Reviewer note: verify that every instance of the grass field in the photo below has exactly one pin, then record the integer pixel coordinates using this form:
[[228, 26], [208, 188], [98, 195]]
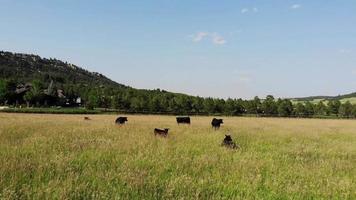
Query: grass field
[[352, 100], [314, 101], [65, 157]]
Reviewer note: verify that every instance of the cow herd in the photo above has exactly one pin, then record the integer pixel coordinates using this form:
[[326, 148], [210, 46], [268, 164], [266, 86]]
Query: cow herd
[[215, 123]]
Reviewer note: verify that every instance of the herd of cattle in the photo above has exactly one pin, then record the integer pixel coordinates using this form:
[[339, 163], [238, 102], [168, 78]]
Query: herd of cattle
[[215, 123]]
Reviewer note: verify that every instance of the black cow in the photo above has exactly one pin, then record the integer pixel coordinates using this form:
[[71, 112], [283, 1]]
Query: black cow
[[228, 142], [161, 132], [121, 120], [215, 123], [183, 120]]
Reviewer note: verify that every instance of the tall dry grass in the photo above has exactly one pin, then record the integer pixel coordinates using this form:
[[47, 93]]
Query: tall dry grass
[[65, 157]]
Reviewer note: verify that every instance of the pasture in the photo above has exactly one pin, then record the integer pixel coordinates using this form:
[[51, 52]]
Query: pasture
[[67, 157]]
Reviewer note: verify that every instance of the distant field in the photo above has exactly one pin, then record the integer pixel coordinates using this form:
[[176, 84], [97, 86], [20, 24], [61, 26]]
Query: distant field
[[65, 157], [314, 101], [352, 100]]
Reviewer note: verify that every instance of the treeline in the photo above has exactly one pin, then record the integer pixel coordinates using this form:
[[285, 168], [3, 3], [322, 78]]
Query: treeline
[[40, 94]]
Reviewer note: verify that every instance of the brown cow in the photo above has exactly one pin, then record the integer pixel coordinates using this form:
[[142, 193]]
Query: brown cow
[[161, 132]]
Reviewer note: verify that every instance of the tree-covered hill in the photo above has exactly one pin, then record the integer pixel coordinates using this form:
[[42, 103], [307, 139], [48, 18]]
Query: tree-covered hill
[[31, 81], [26, 68]]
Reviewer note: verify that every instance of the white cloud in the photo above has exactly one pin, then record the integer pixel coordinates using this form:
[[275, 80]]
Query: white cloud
[[247, 10], [242, 76], [200, 36], [296, 6], [217, 39], [214, 37], [244, 10], [344, 51]]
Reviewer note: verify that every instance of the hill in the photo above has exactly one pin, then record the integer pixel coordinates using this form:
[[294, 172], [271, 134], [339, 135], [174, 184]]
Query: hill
[[31, 81], [27, 67], [36, 81], [315, 99]]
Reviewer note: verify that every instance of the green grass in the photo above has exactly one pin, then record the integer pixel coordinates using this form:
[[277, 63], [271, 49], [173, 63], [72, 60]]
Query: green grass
[[352, 100], [65, 157], [314, 101]]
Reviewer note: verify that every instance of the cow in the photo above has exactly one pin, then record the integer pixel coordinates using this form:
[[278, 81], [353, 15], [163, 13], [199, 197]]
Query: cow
[[183, 120], [121, 120], [228, 142], [215, 123], [86, 118], [161, 132]]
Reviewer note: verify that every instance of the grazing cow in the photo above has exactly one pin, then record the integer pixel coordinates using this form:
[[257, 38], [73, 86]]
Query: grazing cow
[[183, 120], [216, 123], [228, 142], [161, 132], [86, 118], [121, 120]]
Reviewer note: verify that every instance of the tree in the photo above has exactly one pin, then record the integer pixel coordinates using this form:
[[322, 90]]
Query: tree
[[93, 100], [105, 101], [155, 104], [37, 92], [300, 110], [28, 97], [254, 106], [269, 106], [115, 102], [219, 105], [321, 108], [135, 104], [186, 103], [353, 111], [7, 91], [239, 107], [229, 108], [285, 108], [333, 106], [309, 109], [209, 105], [197, 105], [345, 109], [3, 91]]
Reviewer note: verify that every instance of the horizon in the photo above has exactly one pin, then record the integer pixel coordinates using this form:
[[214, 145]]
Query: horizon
[[179, 46]]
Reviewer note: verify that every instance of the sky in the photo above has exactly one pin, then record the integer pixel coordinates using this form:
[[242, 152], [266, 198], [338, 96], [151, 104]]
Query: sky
[[210, 48]]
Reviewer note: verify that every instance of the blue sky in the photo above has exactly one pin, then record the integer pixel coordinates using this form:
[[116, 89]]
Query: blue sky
[[212, 48]]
